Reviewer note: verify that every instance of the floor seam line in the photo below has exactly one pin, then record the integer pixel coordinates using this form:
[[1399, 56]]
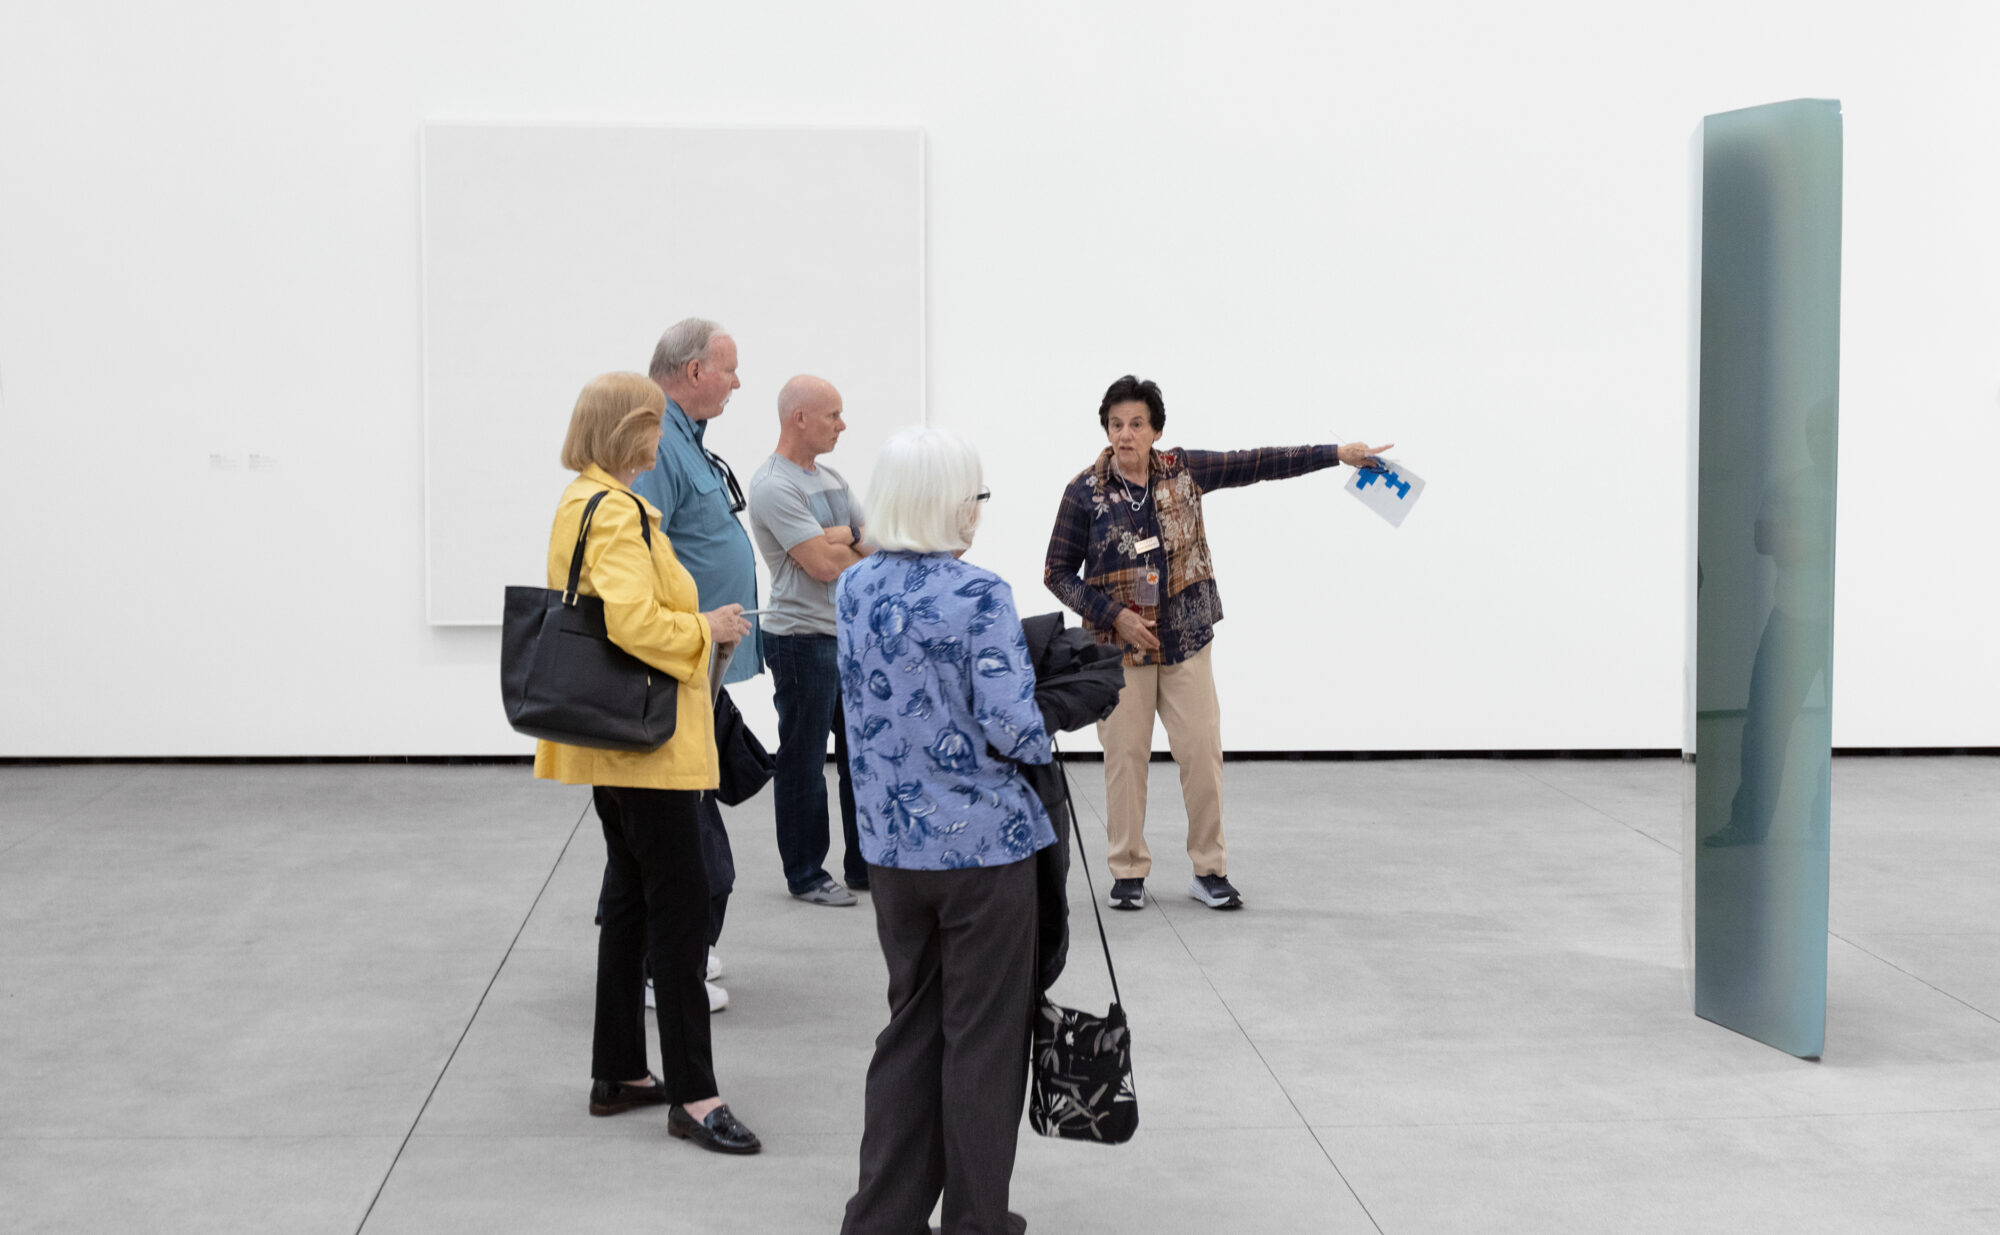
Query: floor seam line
[[1600, 810], [473, 1019], [80, 807], [1251, 1043], [1906, 973]]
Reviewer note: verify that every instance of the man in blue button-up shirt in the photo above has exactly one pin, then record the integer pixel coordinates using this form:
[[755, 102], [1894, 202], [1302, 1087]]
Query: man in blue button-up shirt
[[698, 497], [699, 500]]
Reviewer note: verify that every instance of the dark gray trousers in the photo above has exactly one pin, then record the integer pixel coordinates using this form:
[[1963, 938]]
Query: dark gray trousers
[[950, 1073]]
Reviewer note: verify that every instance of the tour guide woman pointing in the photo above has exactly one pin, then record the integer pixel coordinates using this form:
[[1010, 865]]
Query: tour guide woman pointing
[[1132, 522]]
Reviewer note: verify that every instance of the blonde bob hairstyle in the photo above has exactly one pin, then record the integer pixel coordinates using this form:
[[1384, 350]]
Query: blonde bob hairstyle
[[925, 495], [614, 425]]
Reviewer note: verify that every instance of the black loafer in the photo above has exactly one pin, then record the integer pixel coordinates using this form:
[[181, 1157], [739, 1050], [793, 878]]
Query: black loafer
[[721, 1131], [616, 1097]]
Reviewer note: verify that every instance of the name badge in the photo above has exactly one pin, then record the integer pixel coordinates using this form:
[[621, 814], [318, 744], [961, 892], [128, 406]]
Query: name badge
[[1147, 545], [1149, 588]]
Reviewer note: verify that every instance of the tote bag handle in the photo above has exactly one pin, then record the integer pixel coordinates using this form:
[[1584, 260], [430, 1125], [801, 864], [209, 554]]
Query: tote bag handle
[[583, 533]]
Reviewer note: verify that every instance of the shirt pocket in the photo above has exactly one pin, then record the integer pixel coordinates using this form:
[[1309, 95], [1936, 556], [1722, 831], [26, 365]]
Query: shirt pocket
[[703, 475]]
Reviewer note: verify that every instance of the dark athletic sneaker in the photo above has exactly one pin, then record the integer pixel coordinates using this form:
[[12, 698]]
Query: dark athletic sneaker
[[1128, 894], [1216, 892]]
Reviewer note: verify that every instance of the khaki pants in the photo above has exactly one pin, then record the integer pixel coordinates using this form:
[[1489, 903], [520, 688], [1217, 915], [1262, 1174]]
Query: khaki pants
[[1183, 696]]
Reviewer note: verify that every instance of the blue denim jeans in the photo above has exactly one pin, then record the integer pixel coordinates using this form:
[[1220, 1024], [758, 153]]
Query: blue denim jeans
[[805, 680]]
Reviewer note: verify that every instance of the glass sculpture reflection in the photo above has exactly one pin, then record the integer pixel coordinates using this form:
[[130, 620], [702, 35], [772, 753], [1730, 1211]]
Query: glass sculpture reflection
[[1765, 437]]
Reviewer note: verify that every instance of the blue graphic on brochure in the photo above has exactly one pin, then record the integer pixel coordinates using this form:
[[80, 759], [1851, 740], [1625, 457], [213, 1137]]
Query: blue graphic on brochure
[[1393, 480], [1393, 497]]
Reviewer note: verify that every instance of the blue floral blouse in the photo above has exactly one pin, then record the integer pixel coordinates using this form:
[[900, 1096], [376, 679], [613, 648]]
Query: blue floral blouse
[[938, 696]]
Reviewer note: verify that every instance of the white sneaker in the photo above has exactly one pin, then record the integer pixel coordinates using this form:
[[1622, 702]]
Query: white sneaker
[[714, 967], [718, 999]]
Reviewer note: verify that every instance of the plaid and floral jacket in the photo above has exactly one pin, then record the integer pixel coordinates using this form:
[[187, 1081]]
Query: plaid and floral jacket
[[1099, 532]]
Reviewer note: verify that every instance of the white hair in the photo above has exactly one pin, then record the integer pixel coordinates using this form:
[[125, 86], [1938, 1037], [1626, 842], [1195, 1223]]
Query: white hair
[[925, 495], [685, 342]]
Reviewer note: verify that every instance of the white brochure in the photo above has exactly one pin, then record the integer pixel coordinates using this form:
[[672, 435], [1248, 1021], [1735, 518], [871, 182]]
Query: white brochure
[[1389, 490]]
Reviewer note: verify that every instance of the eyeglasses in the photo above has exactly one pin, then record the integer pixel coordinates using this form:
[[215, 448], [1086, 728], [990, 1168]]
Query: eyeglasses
[[984, 495], [736, 503]]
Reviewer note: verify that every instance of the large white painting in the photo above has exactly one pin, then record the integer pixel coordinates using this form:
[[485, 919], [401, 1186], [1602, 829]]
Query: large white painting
[[552, 254]]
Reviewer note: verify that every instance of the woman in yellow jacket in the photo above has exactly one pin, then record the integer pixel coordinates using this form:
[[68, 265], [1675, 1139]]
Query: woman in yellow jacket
[[655, 888]]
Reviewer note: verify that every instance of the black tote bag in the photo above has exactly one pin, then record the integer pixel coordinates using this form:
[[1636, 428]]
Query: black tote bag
[[1081, 1083], [562, 679]]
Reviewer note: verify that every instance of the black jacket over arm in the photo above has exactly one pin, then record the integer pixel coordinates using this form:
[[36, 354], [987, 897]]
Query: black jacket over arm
[[1077, 681]]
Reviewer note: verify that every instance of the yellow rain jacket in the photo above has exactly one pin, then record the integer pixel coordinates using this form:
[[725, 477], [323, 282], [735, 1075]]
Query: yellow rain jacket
[[649, 610]]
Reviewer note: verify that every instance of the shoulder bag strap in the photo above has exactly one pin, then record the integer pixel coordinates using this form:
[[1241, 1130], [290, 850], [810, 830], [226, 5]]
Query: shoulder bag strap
[[645, 524], [576, 554], [583, 533], [1076, 834]]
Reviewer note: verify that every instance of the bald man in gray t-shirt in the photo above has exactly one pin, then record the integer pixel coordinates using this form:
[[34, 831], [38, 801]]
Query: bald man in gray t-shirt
[[807, 524], [792, 506]]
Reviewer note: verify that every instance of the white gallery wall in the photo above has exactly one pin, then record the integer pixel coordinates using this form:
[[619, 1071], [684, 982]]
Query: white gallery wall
[[542, 243], [1461, 227]]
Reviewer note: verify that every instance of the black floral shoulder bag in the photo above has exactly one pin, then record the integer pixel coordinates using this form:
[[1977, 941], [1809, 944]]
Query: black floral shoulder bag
[[1082, 1064]]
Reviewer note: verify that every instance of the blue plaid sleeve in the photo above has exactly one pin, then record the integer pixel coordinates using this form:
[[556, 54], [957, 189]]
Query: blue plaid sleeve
[[1230, 469], [1069, 550]]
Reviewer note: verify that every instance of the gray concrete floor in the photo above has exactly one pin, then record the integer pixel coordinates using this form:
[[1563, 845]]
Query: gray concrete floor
[[357, 998]]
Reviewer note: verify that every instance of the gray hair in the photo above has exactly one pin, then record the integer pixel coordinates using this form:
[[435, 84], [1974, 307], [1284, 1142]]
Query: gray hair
[[685, 342]]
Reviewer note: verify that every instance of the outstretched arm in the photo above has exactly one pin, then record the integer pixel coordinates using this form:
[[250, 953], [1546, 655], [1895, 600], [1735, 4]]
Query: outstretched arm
[[1229, 469]]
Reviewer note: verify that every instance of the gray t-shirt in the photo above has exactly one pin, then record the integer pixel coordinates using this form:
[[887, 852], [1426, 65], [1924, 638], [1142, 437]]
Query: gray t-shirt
[[789, 506]]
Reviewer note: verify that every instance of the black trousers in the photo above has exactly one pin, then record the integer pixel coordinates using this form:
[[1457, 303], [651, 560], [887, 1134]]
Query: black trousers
[[716, 855], [655, 903], [950, 1073]]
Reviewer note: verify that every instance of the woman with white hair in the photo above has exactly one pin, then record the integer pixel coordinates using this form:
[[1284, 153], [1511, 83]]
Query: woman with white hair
[[938, 696]]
